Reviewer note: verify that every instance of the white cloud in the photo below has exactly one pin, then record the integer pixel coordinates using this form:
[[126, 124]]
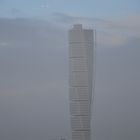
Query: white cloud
[[109, 32], [130, 25], [110, 40]]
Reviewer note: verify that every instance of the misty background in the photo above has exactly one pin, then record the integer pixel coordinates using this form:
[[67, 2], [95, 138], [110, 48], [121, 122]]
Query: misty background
[[34, 101]]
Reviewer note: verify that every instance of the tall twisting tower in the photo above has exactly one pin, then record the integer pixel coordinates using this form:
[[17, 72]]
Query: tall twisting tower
[[81, 45]]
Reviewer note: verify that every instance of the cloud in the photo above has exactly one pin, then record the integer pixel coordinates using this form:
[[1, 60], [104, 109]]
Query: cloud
[[34, 100], [110, 33], [31, 76], [130, 24], [117, 71], [86, 21], [105, 39]]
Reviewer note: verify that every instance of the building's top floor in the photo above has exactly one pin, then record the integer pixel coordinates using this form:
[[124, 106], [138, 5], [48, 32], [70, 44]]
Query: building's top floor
[[77, 26], [80, 27], [80, 34]]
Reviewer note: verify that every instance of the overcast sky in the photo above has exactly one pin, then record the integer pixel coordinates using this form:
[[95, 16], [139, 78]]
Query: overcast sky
[[92, 8], [34, 102]]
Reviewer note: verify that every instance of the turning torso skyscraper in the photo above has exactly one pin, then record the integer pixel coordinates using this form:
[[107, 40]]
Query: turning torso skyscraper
[[80, 81]]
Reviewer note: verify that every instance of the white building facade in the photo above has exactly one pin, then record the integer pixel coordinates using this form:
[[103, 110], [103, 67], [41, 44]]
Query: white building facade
[[81, 45]]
